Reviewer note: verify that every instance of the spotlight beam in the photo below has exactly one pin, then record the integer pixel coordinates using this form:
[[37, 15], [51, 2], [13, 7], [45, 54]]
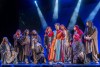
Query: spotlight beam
[[94, 12], [55, 15], [43, 21], [74, 15]]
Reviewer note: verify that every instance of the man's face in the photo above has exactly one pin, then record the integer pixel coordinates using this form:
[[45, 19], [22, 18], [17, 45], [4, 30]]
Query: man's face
[[27, 32], [5, 41], [57, 27], [87, 24], [74, 28]]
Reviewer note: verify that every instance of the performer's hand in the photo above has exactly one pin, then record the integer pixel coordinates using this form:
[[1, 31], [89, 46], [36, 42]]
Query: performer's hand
[[87, 38]]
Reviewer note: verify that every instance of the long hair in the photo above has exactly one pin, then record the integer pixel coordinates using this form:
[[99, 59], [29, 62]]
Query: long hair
[[34, 32], [46, 31], [79, 31], [90, 24], [5, 39], [18, 31], [90, 28], [63, 26], [26, 30]]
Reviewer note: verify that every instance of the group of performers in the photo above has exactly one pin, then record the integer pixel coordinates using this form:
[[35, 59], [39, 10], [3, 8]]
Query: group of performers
[[61, 45], [25, 47], [80, 47]]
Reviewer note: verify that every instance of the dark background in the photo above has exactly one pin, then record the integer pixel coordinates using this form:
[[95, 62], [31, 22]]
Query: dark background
[[22, 14]]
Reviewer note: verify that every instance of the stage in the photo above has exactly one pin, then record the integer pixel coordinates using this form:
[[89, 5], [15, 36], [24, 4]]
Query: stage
[[48, 18], [55, 65]]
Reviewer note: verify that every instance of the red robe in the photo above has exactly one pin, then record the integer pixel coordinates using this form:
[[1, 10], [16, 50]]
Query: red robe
[[50, 47]]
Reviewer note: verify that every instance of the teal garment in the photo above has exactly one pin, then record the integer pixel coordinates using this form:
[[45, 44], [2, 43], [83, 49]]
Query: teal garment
[[58, 45], [54, 33]]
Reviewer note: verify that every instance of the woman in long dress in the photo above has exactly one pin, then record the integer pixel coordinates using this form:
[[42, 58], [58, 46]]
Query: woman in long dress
[[77, 49], [48, 38], [77, 45]]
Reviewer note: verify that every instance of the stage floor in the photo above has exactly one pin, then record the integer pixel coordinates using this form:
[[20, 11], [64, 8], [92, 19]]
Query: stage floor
[[54, 65], [92, 64]]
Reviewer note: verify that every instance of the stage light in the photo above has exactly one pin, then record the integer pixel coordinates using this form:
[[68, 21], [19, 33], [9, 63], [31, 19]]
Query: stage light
[[35, 2], [55, 15], [43, 21], [74, 15], [94, 12]]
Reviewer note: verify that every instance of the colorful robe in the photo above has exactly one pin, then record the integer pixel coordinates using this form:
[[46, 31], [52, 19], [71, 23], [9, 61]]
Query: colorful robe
[[48, 41], [58, 46], [52, 48], [77, 49]]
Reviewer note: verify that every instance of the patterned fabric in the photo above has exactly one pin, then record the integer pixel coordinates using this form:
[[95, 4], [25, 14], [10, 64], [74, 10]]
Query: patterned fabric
[[77, 48], [38, 53], [7, 56]]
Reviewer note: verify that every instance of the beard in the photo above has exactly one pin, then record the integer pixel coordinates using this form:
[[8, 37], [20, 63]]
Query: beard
[[90, 30]]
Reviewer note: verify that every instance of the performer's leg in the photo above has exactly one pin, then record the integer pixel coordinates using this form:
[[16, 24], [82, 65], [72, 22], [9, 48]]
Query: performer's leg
[[22, 55], [69, 54], [95, 58], [26, 59], [58, 51], [15, 61]]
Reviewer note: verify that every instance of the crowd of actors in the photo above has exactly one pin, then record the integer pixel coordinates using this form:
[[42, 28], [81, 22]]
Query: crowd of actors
[[62, 46]]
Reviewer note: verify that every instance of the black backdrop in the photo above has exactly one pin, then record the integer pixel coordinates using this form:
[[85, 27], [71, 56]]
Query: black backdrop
[[8, 18]]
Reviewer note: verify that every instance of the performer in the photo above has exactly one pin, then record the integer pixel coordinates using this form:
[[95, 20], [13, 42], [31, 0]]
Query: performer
[[38, 53], [65, 46], [26, 46], [58, 43], [17, 45], [34, 35], [8, 55], [48, 38], [52, 49], [77, 49], [91, 43], [78, 31]]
